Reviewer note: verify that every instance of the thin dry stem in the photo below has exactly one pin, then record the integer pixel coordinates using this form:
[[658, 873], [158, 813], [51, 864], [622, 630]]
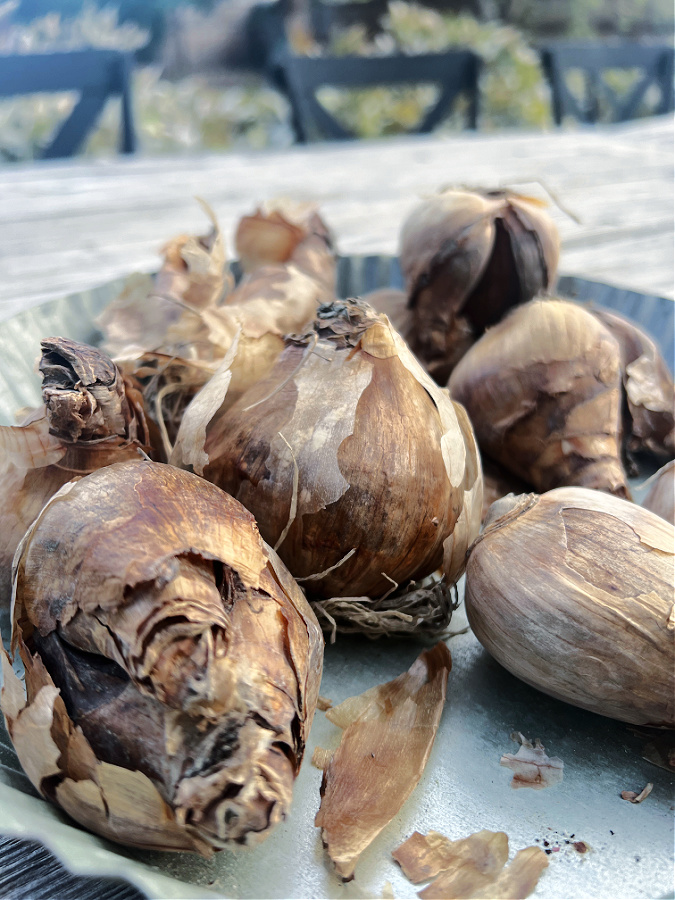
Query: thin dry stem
[[161, 394], [319, 575], [294, 497]]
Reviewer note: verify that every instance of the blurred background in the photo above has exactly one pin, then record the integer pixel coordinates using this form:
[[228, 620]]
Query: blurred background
[[203, 79]]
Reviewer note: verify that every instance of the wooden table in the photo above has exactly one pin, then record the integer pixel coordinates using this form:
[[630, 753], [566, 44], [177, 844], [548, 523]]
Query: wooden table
[[72, 225]]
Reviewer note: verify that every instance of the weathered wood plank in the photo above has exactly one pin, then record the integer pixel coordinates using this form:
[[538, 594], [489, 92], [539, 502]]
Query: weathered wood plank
[[75, 224]]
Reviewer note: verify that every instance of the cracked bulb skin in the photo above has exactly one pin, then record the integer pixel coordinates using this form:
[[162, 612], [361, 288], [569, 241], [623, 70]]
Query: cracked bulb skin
[[468, 256], [172, 663], [572, 592], [354, 463]]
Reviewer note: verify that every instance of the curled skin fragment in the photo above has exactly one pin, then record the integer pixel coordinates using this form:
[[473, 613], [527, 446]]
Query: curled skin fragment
[[515, 882], [388, 735], [634, 797], [472, 867], [285, 232], [531, 766]]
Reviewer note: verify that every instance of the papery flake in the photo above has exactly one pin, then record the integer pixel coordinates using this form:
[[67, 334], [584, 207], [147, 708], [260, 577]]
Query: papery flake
[[531, 766], [472, 867], [388, 735]]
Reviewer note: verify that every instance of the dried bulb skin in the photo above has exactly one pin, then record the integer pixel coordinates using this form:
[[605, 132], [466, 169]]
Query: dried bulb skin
[[650, 395], [283, 232], [193, 276], [349, 446], [85, 394], [497, 483], [661, 496], [92, 416], [543, 392], [572, 592], [186, 659], [272, 301], [467, 258]]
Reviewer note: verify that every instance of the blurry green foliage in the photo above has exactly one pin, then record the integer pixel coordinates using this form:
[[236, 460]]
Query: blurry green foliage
[[590, 18], [187, 116], [91, 27], [147, 14], [513, 91]]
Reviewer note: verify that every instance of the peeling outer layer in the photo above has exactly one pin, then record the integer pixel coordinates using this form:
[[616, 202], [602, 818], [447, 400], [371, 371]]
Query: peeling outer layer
[[388, 735], [573, 593], [92, 416], [359, 469], [284, 232], [472, 867], [498, 482], [193, 276], [661, 496], [543, 392], [172, 664], [648, 386], [273, 301], [467, 258]]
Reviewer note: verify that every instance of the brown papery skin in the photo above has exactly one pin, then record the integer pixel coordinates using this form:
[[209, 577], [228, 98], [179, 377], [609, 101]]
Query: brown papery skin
[[648, 385], [543, 392], [284, 233], [92, 416], [497, 483], [182, 649], [467, 258], [388, 736], [661, 496], [472, 867], [572, 592], [365, 436]]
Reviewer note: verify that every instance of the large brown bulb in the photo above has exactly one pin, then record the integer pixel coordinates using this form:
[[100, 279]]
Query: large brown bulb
[[543, 392], [348, 449], [572, 591], [172, 663], [468, 257]]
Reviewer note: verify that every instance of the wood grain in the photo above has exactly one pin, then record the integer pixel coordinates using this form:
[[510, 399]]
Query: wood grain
[[71, 225]]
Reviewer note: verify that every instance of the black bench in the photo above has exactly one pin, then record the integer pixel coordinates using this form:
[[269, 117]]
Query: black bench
[[96, 74], [599, 100], [456, 72]]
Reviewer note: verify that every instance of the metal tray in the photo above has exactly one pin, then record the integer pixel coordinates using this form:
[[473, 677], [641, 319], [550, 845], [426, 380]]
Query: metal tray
[[463, 789]]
